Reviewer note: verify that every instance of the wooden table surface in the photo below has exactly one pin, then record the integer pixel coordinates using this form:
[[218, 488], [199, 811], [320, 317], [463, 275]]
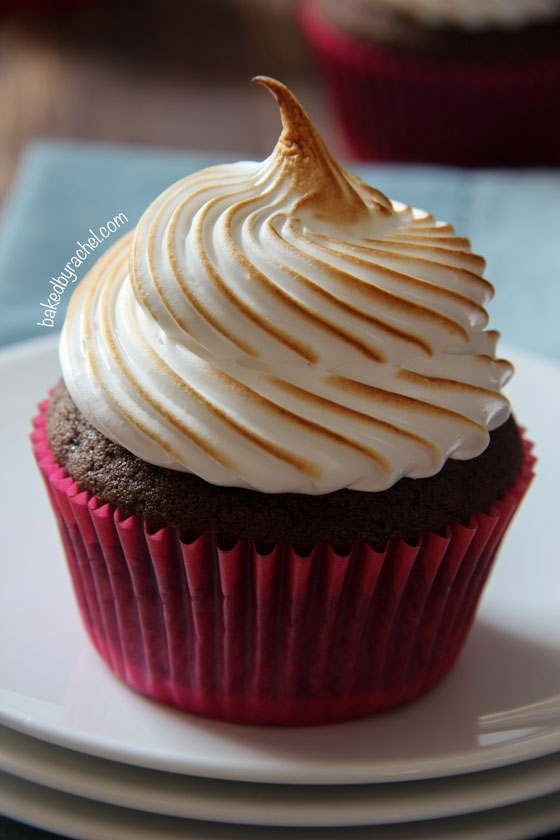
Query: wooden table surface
[[166, 73]]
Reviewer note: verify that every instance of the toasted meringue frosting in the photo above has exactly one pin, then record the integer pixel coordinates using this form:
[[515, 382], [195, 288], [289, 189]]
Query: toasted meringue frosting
[[473, 14], [285, 327]]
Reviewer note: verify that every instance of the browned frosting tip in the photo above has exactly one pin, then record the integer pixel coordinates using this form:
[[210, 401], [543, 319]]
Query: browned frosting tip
[[325, 186]]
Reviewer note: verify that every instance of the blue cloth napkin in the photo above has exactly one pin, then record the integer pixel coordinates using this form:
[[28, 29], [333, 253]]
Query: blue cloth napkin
[[64, 192]]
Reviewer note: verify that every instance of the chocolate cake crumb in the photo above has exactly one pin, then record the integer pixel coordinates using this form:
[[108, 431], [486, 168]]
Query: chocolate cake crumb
[[183, 500]]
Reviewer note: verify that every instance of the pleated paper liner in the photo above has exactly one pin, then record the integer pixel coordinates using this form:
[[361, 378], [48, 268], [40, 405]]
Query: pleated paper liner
[[398, 107], [277, 638]]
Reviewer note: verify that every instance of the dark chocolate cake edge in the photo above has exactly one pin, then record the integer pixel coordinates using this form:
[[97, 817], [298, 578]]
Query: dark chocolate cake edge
[[342, 518]]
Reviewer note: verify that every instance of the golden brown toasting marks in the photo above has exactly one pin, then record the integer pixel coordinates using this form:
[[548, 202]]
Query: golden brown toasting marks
[[284, 326]]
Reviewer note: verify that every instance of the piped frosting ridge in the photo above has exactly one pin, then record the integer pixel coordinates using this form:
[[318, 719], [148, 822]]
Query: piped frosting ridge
[[283, 326]]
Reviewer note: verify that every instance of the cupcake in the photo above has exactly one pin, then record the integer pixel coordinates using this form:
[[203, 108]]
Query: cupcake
[[279, 455], [468, 82]]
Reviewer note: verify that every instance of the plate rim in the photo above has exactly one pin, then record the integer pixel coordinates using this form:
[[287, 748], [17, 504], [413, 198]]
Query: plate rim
[[78, 814], [369, 803], [469, 762]]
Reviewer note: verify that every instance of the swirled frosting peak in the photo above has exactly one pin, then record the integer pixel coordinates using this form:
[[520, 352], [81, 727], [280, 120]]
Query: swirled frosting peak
[[283, 326], [318, 182]]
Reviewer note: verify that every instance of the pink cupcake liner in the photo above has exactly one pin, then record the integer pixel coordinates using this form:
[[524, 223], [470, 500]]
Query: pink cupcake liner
[[277, 638], [395, 107]]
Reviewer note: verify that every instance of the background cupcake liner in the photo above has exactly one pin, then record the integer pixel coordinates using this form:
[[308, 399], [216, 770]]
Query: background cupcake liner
[[276, 638], [393, 107]]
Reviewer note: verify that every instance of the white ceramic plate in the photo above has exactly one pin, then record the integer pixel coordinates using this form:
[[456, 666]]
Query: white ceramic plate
[[500, 704], [249, 803], [84, 819]]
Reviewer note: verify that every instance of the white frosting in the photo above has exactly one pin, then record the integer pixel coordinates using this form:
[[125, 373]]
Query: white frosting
[[285, 327], [477, 14]]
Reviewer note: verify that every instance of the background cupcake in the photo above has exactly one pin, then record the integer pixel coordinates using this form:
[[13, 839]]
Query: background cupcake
[[280, 460], [467, 83]]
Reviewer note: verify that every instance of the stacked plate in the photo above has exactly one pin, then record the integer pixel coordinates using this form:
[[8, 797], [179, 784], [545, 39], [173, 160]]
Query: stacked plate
[[84, 756]]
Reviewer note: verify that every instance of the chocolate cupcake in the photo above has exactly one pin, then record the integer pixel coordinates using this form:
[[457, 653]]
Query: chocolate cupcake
[[462, 82], [280, 458]]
